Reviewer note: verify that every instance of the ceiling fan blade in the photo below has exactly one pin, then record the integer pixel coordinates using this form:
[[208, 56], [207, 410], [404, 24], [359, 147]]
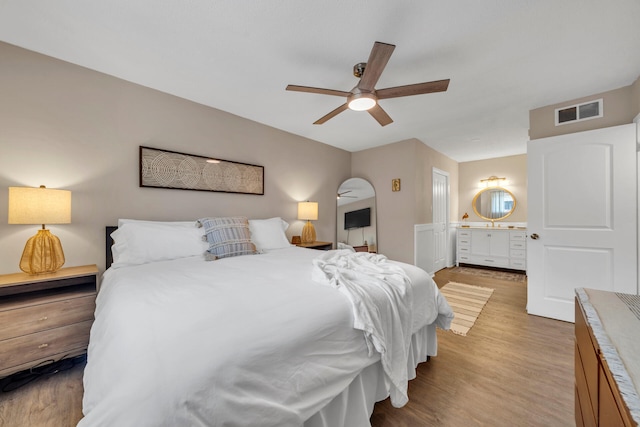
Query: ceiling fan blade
[[318, 90], [380, 115], [378, 59], [331, 115], [414, 89]]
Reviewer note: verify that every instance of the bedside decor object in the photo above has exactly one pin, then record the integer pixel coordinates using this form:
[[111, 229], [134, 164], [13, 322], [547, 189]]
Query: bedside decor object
[[308, 211], [43, 252], [170, 169], [296, 240], [395, 184]]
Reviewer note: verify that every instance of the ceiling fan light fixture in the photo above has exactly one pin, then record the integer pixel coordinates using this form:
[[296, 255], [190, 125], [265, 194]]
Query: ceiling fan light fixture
[[361, 102]]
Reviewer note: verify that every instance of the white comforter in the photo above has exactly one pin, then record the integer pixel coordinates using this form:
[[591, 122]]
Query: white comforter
[[381, 296], [243, 341]]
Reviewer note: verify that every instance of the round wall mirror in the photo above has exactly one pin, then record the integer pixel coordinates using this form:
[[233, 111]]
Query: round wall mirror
[[356, 221], [494, 203]]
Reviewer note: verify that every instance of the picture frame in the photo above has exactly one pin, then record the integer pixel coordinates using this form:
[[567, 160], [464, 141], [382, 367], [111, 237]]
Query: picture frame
[[180, 171]]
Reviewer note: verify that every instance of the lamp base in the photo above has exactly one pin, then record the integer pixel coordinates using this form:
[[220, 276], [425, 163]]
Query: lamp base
[[308, 233], [42, 254]]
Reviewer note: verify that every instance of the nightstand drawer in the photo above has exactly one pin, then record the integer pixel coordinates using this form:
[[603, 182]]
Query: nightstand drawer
[[40, 317], [22, 350]]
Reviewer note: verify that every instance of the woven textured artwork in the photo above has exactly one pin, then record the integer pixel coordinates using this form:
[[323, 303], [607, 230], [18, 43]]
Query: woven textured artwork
[[170, 169]]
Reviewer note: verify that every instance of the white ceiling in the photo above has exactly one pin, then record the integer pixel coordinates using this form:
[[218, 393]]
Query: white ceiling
[[504, 57]]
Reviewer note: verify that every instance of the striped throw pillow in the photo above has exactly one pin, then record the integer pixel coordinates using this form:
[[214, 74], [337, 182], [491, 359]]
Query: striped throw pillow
[[227, 237]]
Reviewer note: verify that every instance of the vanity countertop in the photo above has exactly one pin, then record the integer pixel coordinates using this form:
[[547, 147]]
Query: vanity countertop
[[614, 319], [501, 227]]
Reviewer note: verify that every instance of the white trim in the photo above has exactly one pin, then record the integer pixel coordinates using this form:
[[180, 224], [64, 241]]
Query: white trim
[[423, 245], [446, 174]]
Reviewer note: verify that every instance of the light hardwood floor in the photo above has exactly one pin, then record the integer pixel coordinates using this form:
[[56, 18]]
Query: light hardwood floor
[[512, 369]]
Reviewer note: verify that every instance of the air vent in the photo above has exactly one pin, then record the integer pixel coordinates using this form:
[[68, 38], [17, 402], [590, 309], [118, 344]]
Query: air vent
[[579, 112]]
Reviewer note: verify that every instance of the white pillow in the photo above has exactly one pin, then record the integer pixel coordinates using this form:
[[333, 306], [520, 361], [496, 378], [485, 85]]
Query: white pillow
[[140, 242], [123, 221], [269, 233]]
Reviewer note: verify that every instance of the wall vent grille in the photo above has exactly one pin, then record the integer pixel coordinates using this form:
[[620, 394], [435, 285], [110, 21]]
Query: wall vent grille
[[579, 112]]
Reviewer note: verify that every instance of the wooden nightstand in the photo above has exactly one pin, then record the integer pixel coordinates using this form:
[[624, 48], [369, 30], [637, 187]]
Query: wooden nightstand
[[323, 246], [45, 317]]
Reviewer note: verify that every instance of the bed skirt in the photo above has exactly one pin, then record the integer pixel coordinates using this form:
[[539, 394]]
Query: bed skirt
[[354, 406]]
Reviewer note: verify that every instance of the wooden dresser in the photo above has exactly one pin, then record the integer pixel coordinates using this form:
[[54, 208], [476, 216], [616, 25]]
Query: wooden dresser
[[46, 317], [607, 366]]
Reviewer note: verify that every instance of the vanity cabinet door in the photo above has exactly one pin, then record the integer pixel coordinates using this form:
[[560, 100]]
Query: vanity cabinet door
[[490, 243]]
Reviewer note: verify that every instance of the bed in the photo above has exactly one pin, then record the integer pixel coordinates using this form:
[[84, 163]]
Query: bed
[[274, 336]]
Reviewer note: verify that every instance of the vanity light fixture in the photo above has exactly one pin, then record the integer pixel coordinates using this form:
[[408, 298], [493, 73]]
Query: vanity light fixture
[[492, 181]]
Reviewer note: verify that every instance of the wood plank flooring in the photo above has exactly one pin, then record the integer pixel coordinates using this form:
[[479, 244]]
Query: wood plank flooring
[[512, 369]]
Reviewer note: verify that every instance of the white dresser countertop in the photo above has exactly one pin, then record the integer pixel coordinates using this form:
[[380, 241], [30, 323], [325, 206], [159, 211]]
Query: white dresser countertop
[[614, 319]]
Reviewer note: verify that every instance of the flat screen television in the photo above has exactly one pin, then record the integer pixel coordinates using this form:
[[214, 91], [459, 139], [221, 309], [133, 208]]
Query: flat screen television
[[357, 219]]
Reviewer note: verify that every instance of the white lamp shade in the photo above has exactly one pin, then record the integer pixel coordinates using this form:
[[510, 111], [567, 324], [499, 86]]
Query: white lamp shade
[[308, 211], [28, 205]]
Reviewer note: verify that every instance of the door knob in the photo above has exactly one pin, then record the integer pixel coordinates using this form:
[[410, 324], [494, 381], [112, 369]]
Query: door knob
[[534, 236]]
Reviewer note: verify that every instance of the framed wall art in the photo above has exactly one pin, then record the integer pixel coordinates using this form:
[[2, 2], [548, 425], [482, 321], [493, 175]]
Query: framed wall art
[[171, 169]]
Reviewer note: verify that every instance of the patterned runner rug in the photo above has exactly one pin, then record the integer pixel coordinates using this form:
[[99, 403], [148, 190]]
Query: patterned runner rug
[[495, 274], [467, 302]]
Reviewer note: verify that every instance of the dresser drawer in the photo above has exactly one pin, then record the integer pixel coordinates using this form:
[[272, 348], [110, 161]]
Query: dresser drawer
[[515, 253], [490, 261], [518, 244], [40, 317], [466, 234], [518, 264], [518, 235], [463, 258], [464, 249], [21, 350]]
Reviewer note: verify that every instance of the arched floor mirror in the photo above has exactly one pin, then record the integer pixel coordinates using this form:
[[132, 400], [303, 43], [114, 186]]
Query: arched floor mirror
[[356, 222]]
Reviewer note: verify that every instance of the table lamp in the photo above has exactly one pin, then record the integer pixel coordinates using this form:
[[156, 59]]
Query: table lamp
[[308, 211], [43, 252]]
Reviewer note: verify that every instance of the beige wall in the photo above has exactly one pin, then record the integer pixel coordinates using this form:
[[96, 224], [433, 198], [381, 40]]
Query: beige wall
[[618, 108], [514, 168], [68, 127], [635, 97], [398, 212]]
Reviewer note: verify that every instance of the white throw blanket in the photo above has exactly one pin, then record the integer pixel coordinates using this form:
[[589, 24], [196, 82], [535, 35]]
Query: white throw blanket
[[381, 294]]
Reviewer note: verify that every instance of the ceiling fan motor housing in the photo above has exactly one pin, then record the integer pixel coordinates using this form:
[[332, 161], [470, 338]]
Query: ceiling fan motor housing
[[358, 69]]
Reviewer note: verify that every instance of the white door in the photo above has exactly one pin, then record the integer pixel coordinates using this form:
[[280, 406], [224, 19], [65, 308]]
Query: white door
[[581, 218], [440, 218]]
